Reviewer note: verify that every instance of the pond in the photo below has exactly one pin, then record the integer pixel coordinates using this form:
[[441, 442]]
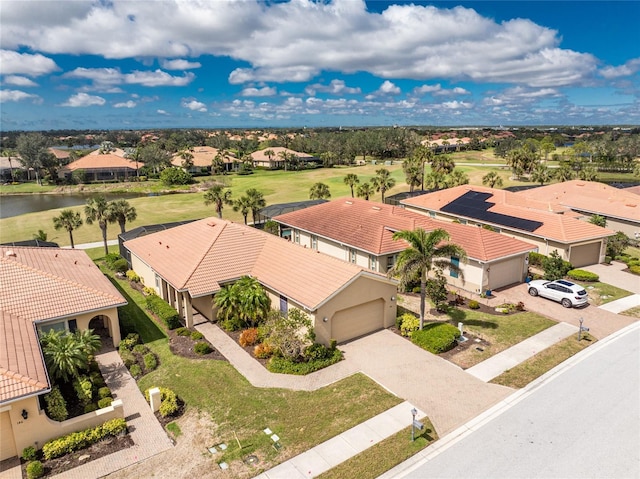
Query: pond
[[15, 205]]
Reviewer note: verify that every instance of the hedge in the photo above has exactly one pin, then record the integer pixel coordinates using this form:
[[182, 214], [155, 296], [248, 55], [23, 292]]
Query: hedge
[[286, 366], [582, 275], [436, 337], [79, 440], [163, 310], [535, 259]]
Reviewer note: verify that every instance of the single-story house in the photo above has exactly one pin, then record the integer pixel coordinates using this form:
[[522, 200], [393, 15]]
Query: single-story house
[[269, 212], [361, 232], [203, 156], [101, 167], [619, 206], [63, 156], [187, 265], [510, 214], [10, 167], [46, 289], [275, 160]]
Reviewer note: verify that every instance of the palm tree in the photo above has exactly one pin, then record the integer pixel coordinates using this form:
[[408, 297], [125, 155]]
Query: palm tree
[[41, 235], [226, 300], [90, 342], [68, 220], [243, 206], [319, 191], [8, 153], [219, 197], [122, 212], [588, 174], [457, 178], [426, 250], [254, 300], [256, 202], [64, 355], [383, 181], [365, 191], [492, 180], [351, 180], [98, 210], [269, 154], [187, 159], [541, 174], [564, 173]]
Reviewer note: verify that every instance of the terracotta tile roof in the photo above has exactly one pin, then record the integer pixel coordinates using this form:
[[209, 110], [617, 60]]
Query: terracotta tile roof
[[22, 370], [203, 255], [590, 196], [369, 226], [59, 154], [558, 227], [203, 156], [633, 189], [116, 151], [260, 156], [40, 284], [96, 162]]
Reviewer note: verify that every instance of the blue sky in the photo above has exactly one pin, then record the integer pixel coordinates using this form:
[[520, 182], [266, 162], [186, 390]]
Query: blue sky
[[131, 64]]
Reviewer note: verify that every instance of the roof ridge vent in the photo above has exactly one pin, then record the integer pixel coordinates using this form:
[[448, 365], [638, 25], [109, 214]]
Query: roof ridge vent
[[377, 208], [349, 202]]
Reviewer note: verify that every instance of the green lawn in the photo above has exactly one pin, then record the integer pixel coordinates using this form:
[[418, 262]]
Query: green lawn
[[602, 293], [534, 367], [301, 419], [499, 331]]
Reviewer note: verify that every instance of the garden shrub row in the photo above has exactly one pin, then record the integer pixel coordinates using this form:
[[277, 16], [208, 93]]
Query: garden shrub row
[[163, 310], [582, 275], [407, 324], [79, 440], [286, 366], [137, 358], [436, 337]]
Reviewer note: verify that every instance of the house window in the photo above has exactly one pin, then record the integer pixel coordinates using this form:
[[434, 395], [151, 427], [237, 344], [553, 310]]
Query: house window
[[296, 237], [352, 255], [463, 222], [373, 263], [73, 325], [314, 242], [391, 261], [455, 261], [284, 305], [432, 214], [70, 325]]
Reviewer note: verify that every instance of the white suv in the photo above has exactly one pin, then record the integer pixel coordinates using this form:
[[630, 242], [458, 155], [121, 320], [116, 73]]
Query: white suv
[[565, 292]]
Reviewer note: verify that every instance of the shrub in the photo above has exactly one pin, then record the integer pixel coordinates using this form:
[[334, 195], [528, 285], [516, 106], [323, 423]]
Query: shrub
[[84, 389], [105, 402], [135, 370], [169, 401], [473, 304], [150, 361], [35, 469], [133, 276], [262, 351], [248, 337], [582, 275], [607, 259], [163, 310], [535, 259], [78, 440], [333, 344], [197, 335], [317, 352], [120, 265], [129, 342], [555, 267], [29, 453], [148, 291], [635, 269], [175, 176], [633, 262], [287, 366], [140, 349], [111, 258], [90, 407], [408, 324], [56, 405], [128, 358], [104, 392], [436, 337], [520, 306], [182, 331], [202, 348]]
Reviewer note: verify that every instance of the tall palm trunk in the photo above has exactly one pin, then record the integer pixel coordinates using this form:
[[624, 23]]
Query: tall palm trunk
[[103, 227]]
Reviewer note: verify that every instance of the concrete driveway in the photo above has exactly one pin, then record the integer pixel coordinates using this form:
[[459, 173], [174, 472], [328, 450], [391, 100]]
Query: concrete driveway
[[447, 394]]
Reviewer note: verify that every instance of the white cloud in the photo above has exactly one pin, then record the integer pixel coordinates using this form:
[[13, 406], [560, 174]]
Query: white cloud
[[26, 63], [125, 104], [19, 81], [421, 90], [84, 99], [179, 64], [18, 95], [194, 105], [264, 91], [628, 69], [388, 88], [105, 77], [162, 112], [336, 87]]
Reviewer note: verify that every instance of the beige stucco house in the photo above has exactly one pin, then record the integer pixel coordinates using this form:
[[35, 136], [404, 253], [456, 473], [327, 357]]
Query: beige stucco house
[[187, 265], [106, 167], [361, 232], [203, 157], [510, 214], [46, 289], [620, 207], [275, 159]]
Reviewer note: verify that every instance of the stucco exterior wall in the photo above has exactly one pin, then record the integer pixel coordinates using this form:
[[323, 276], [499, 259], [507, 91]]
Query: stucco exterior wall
[[38, 428], [363, 290], [147, 275], [204, 304], [110, 318]]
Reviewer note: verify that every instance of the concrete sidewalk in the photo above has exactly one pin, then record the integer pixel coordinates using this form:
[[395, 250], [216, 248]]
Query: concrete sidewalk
[[338, 449], [496, 365], [622, 304]]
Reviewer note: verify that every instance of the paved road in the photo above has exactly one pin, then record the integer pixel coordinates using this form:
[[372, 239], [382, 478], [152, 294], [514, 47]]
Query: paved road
[[583, 422]]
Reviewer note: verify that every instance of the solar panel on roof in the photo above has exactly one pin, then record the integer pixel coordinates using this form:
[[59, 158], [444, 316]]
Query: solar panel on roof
[[474, 204]]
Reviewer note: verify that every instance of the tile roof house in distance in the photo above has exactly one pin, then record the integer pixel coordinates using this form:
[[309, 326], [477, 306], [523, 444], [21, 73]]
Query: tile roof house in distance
[[361, 232], [189, 264], [45, 289], [203, 157], [101, 167], [276, 161], [529, 220]]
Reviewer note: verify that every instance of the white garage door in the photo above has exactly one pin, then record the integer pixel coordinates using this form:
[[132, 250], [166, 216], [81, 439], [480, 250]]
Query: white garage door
[[584, 255], [506, 272], [7, 444], [357, 321]]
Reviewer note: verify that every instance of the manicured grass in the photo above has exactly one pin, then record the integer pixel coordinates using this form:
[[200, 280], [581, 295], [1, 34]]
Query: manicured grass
[[632, 251], [174, 429], [381, 457], [633, 312], [500, 331], [98, 253], [301, 419], [602, 293], [534, 367]]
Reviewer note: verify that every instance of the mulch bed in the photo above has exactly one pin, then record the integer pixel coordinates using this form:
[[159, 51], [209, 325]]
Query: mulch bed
[[95, 451], [183, 346], [235, 335]]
